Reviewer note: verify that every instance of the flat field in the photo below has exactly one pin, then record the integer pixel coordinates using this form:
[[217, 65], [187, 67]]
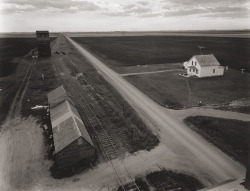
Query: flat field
[[231, 136], [11, 51], [141, 50], [210, 33], [173, 91]]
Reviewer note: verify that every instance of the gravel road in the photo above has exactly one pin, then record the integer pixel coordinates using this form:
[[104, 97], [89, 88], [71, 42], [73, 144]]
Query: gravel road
[[187, 147]]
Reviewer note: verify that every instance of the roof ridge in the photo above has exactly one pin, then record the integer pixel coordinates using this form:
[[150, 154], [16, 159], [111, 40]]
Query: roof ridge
[[78, 130], [73, 115]]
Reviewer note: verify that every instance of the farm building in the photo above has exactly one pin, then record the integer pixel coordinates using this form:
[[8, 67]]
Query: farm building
[[71, 140], [59, 95], [43, 43], [204, 66]]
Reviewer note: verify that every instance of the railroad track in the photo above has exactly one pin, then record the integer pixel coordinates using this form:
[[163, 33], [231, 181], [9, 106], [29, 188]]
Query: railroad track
[[105, 142]]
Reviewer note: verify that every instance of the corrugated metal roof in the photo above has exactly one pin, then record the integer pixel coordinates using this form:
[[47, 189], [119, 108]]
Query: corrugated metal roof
[[207, 60], [58, 95], [67, 126]]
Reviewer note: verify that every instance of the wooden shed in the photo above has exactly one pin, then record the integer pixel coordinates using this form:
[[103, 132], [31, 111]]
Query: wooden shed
[[59, 95], [43, 43], [71, 139]]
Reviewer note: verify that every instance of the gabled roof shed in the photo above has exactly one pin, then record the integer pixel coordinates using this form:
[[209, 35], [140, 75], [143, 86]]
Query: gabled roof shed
[[71, 139]]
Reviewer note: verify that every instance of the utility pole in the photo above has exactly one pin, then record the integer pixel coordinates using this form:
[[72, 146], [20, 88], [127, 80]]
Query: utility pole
[[200, 47]]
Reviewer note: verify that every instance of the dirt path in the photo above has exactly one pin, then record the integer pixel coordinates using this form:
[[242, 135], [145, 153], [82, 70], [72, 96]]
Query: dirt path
[[181, 145], [182, 114], [16, 105], [140, 73]]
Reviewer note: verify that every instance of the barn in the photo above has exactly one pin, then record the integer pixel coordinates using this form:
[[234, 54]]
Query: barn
[[204, 66], [71, 139], [43, 43]]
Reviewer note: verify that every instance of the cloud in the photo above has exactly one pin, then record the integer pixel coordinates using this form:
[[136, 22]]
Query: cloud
[[204, 8], [204, 2], [144, 3], [15, 6], [185, 12], [228, 12], [116, 13]]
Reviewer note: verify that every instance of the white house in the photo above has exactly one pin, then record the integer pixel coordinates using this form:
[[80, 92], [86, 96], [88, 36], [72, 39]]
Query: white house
[[204, 66]]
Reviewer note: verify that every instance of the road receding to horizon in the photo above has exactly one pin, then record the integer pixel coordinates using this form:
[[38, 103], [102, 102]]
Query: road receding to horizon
[[184, 147]]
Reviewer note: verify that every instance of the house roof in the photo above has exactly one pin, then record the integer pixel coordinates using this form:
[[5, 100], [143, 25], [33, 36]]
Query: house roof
[[67, 126], [58, 95], [41, 32], [206, 60]]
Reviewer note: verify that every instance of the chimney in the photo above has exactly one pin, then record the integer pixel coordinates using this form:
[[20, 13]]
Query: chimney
[[247, 180]]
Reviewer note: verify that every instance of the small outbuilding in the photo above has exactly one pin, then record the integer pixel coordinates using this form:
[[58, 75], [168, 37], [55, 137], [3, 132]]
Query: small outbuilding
[[59, 95], [71, 139], [204, 66], [43, 43]]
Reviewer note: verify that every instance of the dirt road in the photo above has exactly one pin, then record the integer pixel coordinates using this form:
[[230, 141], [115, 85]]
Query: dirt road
[[152, 72], [22, 161], [16, 104], [182, 114], [181, 144]]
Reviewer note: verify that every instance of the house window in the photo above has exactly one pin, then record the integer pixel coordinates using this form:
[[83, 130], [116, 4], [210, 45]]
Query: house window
[[195, 64], [192, 62], [189, 69], [193, 70], [196, 71], [213, 70]]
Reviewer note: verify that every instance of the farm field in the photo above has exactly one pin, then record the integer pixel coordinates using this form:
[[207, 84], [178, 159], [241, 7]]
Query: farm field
[[231, 136], [210, 33], [145, 50], [173, 91], [11, 52], [24, 35]]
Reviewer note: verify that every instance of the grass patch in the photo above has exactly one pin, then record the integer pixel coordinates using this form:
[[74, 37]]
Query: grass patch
[[231, 136], [168, 180], [38, 88], [142, 50], [81, 167], [141, 184], [7, 95], [173, 91]]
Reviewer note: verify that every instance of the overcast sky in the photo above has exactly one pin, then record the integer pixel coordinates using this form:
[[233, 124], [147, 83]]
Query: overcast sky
[[123, 15]]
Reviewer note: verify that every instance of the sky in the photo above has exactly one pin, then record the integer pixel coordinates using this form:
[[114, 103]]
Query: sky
[[123, 15]]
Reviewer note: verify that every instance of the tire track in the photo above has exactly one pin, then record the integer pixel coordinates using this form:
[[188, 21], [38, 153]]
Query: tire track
[[16, 105]]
